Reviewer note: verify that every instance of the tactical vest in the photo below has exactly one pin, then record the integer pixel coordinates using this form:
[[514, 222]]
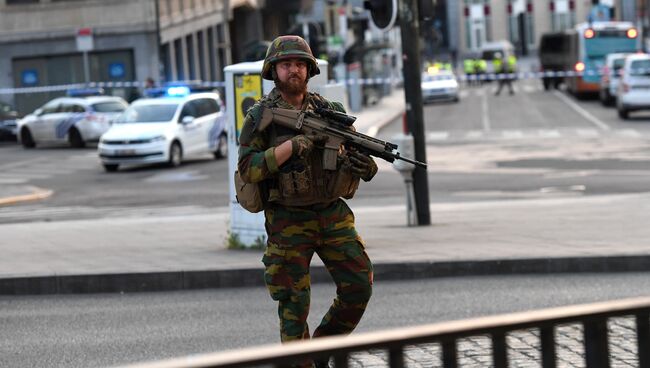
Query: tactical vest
[[304, 182]]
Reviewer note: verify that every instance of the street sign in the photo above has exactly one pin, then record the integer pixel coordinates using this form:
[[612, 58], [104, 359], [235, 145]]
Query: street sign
[[85, 39]]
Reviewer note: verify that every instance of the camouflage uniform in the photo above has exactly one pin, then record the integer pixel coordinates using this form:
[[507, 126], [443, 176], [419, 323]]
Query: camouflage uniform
[[295, 233]]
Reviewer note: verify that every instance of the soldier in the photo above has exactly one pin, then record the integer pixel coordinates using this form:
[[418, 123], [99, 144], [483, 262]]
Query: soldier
[[304, 211]]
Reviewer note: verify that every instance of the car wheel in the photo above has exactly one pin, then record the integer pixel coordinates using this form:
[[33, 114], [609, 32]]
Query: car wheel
[[175, 155], [74, 137], [26, 138], [111, 167], [623, 114], [222, 147]]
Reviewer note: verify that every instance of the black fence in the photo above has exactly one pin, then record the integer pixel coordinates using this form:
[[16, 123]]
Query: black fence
[[591, 321]]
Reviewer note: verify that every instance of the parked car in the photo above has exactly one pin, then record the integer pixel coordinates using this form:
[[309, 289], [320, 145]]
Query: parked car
[[76, 120], [8, 122], [439, 86], [633, 91], [611, 77], [166, 129]]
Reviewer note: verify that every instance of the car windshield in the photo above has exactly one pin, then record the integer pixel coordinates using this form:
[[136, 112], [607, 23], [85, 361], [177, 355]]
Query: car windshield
[[618, 63], [148, 113], [437, 77], [640, 67], [110, 106]]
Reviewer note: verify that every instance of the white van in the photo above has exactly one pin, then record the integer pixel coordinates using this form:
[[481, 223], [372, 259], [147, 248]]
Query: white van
[[490, 49], [633, 91]]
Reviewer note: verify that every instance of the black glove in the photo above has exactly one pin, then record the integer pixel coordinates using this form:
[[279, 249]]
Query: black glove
[[363, 166]]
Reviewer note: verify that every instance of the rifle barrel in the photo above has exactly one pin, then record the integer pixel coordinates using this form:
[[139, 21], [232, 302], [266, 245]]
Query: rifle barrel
[[416, 163]]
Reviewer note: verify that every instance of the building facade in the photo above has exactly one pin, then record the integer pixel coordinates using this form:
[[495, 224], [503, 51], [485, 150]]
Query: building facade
[[132, 40], [522, 22]]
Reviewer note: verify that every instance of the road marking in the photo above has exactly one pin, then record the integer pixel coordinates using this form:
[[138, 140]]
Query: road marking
[[438, 136], [549, 133], [588, 133], [36, 194], [474, 134], [486, 116], [629, 133], [581, 111], [512, 134]]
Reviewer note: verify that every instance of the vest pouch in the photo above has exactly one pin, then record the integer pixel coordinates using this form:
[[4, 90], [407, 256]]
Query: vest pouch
[[249, 195], [341, 183], [296, 182]]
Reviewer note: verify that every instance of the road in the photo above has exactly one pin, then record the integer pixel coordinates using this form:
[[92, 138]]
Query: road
[[535, 144], [104, 330]]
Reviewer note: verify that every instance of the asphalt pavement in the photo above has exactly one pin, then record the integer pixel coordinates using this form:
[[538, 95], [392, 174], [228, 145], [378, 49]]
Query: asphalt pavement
[[188, 251]]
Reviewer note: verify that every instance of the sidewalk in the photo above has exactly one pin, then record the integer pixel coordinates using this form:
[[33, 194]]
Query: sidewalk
[[576, 234]]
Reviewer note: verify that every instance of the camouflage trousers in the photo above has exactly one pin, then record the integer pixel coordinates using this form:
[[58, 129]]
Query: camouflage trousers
[[294, 234]]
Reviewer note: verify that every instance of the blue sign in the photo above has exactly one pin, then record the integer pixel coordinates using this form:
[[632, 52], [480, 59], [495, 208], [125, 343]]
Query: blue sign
[[600, 13], [116, 70], [29, 77]]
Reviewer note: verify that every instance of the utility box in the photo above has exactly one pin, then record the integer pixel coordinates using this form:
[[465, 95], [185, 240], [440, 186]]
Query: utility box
[[244, 86]]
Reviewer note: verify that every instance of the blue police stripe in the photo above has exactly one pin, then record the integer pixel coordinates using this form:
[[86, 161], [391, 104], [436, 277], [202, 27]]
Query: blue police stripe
[[215, 131], [64, 125]]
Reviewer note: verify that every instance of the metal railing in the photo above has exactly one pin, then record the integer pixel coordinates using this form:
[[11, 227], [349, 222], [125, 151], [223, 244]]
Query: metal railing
[[593, 317]]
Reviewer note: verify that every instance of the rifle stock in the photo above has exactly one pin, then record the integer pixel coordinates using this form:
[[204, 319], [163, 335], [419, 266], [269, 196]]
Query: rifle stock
[[309, 122]]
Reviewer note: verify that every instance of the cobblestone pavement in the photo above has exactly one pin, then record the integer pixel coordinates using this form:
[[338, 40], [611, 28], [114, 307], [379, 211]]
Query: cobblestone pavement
[[524, 349]]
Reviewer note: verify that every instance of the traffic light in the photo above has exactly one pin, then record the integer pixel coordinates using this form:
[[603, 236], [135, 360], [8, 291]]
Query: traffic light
[[426, 10], [383, 13]]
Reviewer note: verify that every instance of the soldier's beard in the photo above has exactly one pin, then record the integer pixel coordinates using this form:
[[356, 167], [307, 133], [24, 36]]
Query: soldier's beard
[[292, 86]]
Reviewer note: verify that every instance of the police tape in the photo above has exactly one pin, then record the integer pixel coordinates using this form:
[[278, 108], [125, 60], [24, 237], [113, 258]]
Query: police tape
[[350, 82], [91, 85]]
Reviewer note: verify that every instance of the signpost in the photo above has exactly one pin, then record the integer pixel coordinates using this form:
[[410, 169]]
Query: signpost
[[85, 44], [385, 14]]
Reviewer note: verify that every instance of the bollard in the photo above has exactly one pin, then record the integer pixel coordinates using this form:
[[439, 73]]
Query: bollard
[[407, 149]]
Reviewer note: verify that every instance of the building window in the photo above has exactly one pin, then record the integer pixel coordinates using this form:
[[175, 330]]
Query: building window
[[178, 51]]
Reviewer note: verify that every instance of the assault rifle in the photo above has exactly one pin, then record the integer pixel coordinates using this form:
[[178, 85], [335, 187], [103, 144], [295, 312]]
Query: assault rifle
[[336, 125]]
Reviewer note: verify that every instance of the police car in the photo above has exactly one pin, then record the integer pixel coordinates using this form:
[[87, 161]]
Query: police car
[[439, 85], [166, 129], [76, 120]]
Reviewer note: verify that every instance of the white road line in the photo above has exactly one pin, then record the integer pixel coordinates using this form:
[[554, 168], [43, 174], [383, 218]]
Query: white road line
[[629, 133], [550, 133], [486, 114], [474, 134], [438, 136], [512, 134], [589, 133], [581, 111]]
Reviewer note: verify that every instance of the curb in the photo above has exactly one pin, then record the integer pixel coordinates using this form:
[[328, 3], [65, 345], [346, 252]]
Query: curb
[[37, 194], [251, 277], [375, 129]]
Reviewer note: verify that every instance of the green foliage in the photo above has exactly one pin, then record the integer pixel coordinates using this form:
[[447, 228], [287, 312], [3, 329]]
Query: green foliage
[[233, 242]]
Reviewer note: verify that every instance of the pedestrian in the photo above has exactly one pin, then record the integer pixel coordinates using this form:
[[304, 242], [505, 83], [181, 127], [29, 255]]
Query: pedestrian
[[304, 211], [504, 71]]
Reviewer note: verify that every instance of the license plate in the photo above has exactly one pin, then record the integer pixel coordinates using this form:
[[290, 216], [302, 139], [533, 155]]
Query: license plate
[[127, 152]]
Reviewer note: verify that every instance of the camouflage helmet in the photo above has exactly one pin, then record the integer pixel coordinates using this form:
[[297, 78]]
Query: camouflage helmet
[[288, 47]]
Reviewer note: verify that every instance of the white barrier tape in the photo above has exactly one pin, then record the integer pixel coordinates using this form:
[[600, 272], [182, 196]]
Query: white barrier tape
[[119, 84], [352, 82]]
